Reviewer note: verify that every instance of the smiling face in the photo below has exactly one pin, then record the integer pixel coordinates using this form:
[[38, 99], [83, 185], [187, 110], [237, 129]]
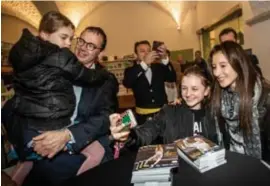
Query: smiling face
[[142, 50], [85, 55], [194, 91], [223, 71]]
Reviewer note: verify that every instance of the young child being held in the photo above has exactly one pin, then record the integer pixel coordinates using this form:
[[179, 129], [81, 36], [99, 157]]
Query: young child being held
[[44, 73]]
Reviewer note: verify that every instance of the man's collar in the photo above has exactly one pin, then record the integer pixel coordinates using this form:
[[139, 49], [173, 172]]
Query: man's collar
[[90, 65]]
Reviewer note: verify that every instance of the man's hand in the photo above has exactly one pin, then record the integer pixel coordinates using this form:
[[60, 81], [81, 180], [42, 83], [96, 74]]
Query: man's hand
[[116, 129], [48, 144], [151, 57]]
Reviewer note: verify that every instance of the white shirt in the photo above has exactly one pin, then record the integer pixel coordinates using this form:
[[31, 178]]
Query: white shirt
[[77, 92], [148, 71]]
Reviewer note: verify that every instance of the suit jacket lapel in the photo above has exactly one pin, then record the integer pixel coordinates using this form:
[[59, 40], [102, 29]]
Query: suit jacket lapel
[[87, 99]]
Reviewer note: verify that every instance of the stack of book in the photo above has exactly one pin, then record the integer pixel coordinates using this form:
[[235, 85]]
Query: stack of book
[[153, 164], [201, 153]]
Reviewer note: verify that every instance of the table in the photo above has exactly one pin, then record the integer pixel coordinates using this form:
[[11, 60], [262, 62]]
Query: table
[[239, 170]]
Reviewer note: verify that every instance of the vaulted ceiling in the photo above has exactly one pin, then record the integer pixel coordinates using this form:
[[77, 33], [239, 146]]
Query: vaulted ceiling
[[32, 11]]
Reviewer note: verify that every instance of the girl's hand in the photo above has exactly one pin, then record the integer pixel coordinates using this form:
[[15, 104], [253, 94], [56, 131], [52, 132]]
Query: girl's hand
[[117, 129]]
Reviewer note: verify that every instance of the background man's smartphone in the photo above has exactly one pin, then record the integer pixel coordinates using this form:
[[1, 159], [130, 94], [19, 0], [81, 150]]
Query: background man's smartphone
[[156, 44]]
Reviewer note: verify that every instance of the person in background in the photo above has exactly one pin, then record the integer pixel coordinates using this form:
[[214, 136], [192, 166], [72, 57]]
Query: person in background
[[181, 62], [229, 34], [175, 121], [240, 102], [200, 61], [171, 87], [146, 78]]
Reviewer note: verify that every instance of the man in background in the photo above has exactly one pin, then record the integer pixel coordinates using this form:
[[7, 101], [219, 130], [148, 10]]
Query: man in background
[[229, 34], [171, 87], [180, 60], [146, 78]]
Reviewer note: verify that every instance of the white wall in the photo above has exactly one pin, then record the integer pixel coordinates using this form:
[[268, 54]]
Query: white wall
[[128, 22], [261, 45], [256, 36], [209, 12], [11, 28]]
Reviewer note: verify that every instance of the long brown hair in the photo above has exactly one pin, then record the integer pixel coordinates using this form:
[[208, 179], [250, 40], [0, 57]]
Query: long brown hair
[[245, 82]]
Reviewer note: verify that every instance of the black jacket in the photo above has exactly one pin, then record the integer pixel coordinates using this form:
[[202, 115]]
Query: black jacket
[[264, 121], [43, 78], [255, 62], [172, 123], [95, 106], [146, 95]]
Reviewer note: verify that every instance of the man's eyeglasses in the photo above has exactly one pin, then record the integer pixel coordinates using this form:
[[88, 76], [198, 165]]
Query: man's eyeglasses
[[89, 46]]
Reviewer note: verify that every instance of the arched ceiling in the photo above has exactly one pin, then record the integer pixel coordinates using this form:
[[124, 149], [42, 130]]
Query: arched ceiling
[[82, 9], [176, 9], [24, 10], [32, 11]]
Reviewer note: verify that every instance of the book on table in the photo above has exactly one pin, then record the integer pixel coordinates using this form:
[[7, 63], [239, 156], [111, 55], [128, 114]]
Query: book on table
[[153, 163], [200, 152]]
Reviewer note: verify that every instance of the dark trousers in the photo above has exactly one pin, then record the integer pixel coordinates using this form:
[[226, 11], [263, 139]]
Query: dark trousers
[[28, 153], [46, 171], [108, 147], [62, 167], [54, 171]]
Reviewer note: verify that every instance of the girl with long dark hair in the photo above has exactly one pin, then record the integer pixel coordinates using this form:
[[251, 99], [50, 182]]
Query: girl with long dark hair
[[240, 101]]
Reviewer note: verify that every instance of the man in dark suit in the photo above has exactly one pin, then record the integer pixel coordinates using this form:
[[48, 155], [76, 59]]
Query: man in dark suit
[[146, 78], [90, 119], [229, 34], [95, 102]]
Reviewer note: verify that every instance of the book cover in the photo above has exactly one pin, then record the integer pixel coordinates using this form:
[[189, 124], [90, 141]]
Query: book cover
[[197, 146], [156, 156]]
